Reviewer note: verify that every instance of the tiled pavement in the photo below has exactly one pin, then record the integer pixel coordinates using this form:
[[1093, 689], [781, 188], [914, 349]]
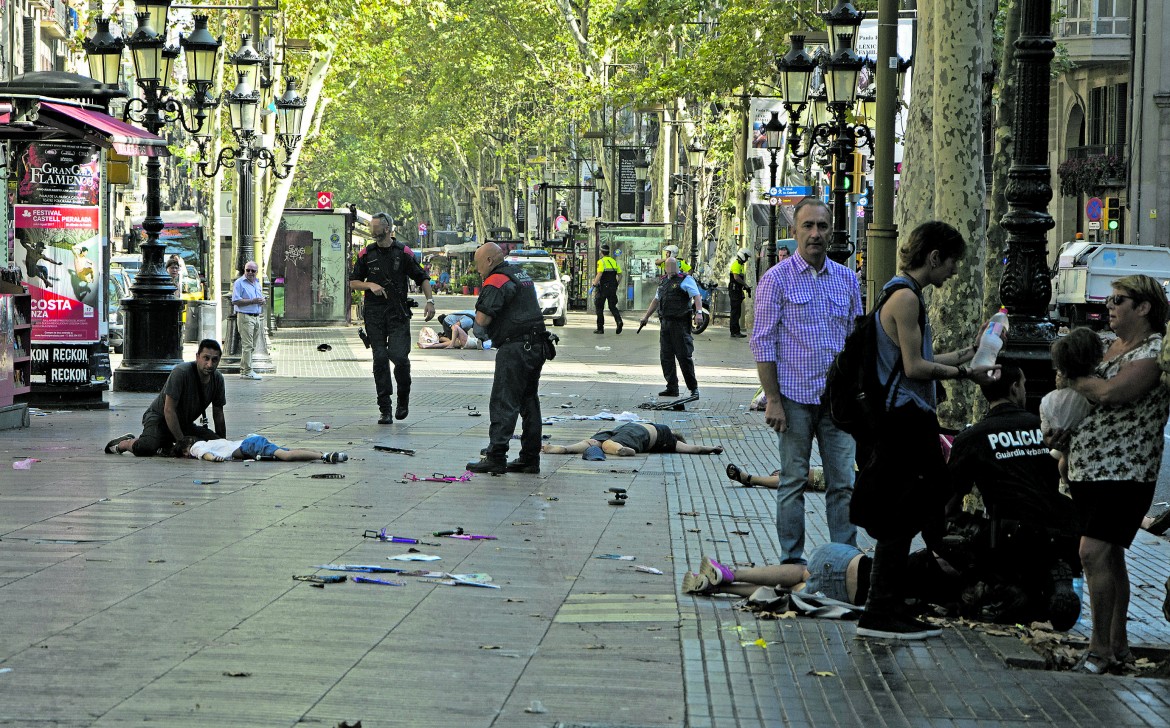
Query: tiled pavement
[[131, 594]]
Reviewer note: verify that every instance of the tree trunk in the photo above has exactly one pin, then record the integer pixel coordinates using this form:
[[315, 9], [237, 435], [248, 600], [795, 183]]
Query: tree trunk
[[1005, 109], [943, 176]]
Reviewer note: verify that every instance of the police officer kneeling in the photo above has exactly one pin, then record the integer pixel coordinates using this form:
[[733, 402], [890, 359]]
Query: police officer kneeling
[[507, 307]]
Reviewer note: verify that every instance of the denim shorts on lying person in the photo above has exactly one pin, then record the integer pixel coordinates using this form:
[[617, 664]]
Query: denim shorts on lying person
[[826, 570], [255, 446]]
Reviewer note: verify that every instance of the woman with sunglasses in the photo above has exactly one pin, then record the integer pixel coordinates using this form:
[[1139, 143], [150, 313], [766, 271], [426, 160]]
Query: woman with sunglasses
[[1114, 456]]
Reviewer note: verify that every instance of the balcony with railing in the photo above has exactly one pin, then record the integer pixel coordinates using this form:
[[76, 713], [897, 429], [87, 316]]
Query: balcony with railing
[[1095, 31], [1092, 169]]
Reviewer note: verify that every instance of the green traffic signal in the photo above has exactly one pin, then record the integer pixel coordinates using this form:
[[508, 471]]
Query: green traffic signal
[[1112, 224]]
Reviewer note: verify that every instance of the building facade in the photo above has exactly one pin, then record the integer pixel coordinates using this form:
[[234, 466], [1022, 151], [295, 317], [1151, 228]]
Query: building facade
[[1110, 128]]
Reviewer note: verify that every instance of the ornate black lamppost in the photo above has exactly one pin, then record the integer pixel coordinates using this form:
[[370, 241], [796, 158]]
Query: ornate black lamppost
[[244, 109], [641, 174], [696, 154], [773, 139], [153, 335], [1025, 287], [834, 138]]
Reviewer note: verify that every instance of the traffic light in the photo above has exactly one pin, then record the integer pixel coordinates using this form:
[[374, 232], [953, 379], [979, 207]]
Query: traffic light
[[1112, 213], [850, 173]]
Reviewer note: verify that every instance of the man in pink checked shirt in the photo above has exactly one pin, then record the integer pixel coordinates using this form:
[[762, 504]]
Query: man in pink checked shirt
[[805, 307]]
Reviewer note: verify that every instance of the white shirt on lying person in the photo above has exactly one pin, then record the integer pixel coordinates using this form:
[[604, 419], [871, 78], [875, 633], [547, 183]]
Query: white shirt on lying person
[[218, 448]]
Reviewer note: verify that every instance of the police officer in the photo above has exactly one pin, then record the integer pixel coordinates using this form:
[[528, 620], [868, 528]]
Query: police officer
[[671, 251], [605, 283], [736, 287], [507, 307], [381, 270], [677, 295]]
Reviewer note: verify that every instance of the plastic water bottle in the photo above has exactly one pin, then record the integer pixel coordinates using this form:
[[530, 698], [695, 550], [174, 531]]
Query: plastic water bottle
[[315, 426], [992, 340]]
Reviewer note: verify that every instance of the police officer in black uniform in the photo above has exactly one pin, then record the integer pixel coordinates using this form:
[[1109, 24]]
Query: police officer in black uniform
[[677, 295], [381, 270], [507, 307]]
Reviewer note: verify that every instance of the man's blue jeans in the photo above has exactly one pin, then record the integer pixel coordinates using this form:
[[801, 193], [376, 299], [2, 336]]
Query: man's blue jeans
[[838, 453]]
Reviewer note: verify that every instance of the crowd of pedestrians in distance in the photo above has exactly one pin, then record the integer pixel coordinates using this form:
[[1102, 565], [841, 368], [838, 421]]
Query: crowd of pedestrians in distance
[[1098, 435]]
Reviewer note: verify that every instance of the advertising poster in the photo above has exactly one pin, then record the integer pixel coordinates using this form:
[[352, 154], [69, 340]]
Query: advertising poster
[[57, 238], [58, 173], [58, 248]]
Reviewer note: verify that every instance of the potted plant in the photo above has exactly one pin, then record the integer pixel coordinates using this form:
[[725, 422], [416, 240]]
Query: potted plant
[[470, 283], [1091, 175]]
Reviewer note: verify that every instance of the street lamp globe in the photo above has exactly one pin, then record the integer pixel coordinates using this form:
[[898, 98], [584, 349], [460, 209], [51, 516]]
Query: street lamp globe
[[696, 153], [774, 132], [796, 68], [843, 69], [642, 168], [103, 51], [290, 108], [202, 49], [842, 19], [146, 50], [156, 11], [248, 60], [242, 106]]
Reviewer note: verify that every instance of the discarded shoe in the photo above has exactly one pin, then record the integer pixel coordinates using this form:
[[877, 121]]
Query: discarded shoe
[[324, 347], [531, 467], [112, 445], [335, 457], [494, 466]]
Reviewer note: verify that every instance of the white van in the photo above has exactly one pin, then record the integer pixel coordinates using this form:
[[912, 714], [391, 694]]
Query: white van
[[551, 287]]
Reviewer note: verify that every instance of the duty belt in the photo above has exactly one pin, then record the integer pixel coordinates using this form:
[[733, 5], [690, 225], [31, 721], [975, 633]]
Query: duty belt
[[529, 338]]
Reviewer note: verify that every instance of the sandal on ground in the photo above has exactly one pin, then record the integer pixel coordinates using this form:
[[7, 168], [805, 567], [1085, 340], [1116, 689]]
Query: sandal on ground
[[739, 476], [1093, 664], [1123, 662]]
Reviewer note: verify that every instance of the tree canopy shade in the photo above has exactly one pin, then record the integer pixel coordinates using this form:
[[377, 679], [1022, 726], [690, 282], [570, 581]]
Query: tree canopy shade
[[428, 103]]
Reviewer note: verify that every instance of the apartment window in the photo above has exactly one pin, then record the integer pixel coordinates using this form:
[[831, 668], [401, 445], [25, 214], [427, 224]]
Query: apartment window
[[1107, 115], [1096, 17]]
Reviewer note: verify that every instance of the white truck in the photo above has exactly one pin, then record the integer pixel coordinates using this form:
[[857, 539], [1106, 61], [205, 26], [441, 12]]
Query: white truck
[[1085, 271]]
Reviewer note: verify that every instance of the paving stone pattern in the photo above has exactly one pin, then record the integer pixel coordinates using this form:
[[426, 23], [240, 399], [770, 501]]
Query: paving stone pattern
[[132, 595]]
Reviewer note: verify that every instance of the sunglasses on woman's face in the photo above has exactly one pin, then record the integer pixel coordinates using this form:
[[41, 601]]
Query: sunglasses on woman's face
[[1117, 299]]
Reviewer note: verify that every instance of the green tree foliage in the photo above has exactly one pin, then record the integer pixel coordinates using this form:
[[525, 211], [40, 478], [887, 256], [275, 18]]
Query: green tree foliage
[[429, 103]]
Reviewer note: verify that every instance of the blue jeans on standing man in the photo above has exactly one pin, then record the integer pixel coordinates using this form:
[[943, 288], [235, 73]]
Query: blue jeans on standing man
[[838, 453]]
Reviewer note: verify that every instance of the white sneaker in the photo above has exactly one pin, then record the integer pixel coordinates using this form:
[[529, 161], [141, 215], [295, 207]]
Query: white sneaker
[[253, 376]]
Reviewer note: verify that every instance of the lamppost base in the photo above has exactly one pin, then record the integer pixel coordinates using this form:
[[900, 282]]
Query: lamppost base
[[262, 362], [153, 344]]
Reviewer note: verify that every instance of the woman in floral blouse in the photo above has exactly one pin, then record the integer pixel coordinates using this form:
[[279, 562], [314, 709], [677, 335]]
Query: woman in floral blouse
[[1114, 455]]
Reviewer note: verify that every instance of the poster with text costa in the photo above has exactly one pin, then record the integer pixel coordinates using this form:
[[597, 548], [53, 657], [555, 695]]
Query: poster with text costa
[[59, 250]]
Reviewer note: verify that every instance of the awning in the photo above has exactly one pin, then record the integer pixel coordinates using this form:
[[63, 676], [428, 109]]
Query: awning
[[62, 121]]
